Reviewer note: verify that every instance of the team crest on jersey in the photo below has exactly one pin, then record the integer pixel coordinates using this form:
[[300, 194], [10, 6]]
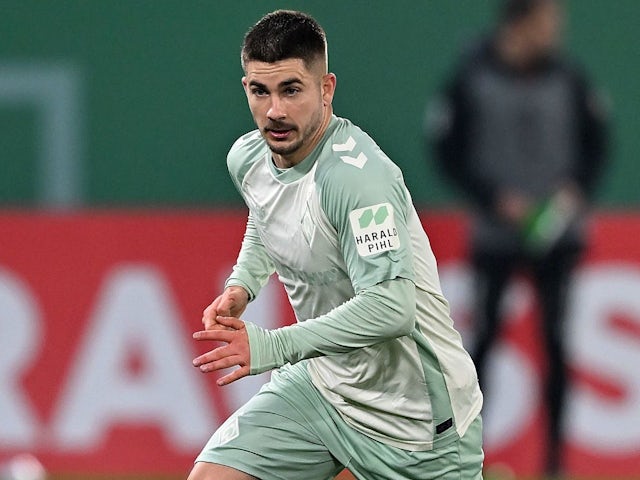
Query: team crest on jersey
[[374, 229], [228, 431]]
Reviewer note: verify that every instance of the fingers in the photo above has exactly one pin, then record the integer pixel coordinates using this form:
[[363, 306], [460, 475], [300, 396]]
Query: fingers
[[232, 302], [217, 335], [231, 322], [207, 364], [220, 306], [219, 353], [235, 352], [222, 358], [220, 322], [237, 374], [211, 312]]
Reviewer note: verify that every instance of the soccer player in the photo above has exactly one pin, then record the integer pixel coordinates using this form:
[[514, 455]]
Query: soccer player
[[373, 376]]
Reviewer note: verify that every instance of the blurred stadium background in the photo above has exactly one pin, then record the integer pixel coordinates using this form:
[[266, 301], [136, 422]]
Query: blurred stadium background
[[118, 223]]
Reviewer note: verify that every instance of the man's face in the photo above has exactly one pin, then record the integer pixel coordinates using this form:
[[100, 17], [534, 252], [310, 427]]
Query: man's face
[[290, 104], [544, 28]]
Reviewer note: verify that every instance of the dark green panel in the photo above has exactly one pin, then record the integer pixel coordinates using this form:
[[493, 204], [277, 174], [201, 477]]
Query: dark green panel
[[162, 100], [18, 155], [604, 36]]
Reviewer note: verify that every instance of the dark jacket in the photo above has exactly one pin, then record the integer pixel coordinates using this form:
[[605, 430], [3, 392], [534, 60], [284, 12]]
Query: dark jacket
[[496, 128]]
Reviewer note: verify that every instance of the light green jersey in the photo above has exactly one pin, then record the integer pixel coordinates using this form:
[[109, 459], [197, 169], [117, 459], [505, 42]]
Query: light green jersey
[[338, 225]]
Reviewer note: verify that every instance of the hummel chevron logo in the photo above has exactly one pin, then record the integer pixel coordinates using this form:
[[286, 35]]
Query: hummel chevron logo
[[348, 146], [344, 147], [358, 161]]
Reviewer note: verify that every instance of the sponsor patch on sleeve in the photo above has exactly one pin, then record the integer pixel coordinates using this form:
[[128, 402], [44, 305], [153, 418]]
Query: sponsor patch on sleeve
[[374, 229]]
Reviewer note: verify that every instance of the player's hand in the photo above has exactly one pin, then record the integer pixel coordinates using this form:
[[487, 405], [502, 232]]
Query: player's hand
[[231, 303], [235, 352]]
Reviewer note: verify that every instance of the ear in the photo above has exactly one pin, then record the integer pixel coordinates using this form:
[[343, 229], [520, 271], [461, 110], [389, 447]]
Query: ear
[[328, 88]]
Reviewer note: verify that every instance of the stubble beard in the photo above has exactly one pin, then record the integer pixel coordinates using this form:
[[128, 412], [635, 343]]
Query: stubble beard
[[288, 149], [283, 149]]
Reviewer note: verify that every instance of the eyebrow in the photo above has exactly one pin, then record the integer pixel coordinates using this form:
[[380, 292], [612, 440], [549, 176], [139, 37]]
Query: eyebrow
[[284, 83], [290, 81]]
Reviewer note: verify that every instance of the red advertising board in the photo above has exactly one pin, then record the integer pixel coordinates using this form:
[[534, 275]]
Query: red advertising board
[[97, 311]]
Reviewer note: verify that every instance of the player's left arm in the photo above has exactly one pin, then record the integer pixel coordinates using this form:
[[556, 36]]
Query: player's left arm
[[368, 209], [381, 312]]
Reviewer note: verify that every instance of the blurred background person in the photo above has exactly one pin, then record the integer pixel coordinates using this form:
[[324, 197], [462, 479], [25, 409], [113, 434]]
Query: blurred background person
[[519, 130]]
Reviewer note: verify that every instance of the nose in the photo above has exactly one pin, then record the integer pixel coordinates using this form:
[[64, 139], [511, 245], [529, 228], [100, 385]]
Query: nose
[[276, 110]]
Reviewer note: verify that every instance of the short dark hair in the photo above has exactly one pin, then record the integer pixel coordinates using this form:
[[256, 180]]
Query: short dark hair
[[515, 10], [284, 34]]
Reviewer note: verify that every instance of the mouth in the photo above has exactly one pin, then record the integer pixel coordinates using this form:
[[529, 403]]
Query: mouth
[[279, 133]]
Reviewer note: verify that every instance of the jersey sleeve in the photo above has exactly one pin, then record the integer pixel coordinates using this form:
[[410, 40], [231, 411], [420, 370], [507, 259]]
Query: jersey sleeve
[[382, 312], [253, 266], [364, 197]]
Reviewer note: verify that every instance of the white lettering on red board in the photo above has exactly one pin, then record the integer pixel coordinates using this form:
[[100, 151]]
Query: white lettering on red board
[[136, 309], [610, 352], [596, 421], [19, 339]]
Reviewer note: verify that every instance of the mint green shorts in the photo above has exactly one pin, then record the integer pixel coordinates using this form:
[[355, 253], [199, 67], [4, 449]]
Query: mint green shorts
[[288, 431]]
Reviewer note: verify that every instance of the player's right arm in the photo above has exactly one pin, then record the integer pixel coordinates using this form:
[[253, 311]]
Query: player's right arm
[[253, 266], [250, 273]]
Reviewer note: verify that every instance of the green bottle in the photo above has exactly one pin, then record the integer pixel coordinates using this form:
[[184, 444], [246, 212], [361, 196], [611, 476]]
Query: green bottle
[[546, 223]]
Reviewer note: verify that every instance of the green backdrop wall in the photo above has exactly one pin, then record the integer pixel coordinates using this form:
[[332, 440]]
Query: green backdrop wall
[[148, 93]]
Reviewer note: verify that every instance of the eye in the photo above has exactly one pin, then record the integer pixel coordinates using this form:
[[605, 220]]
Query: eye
[[259, 91], [291, 91]]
